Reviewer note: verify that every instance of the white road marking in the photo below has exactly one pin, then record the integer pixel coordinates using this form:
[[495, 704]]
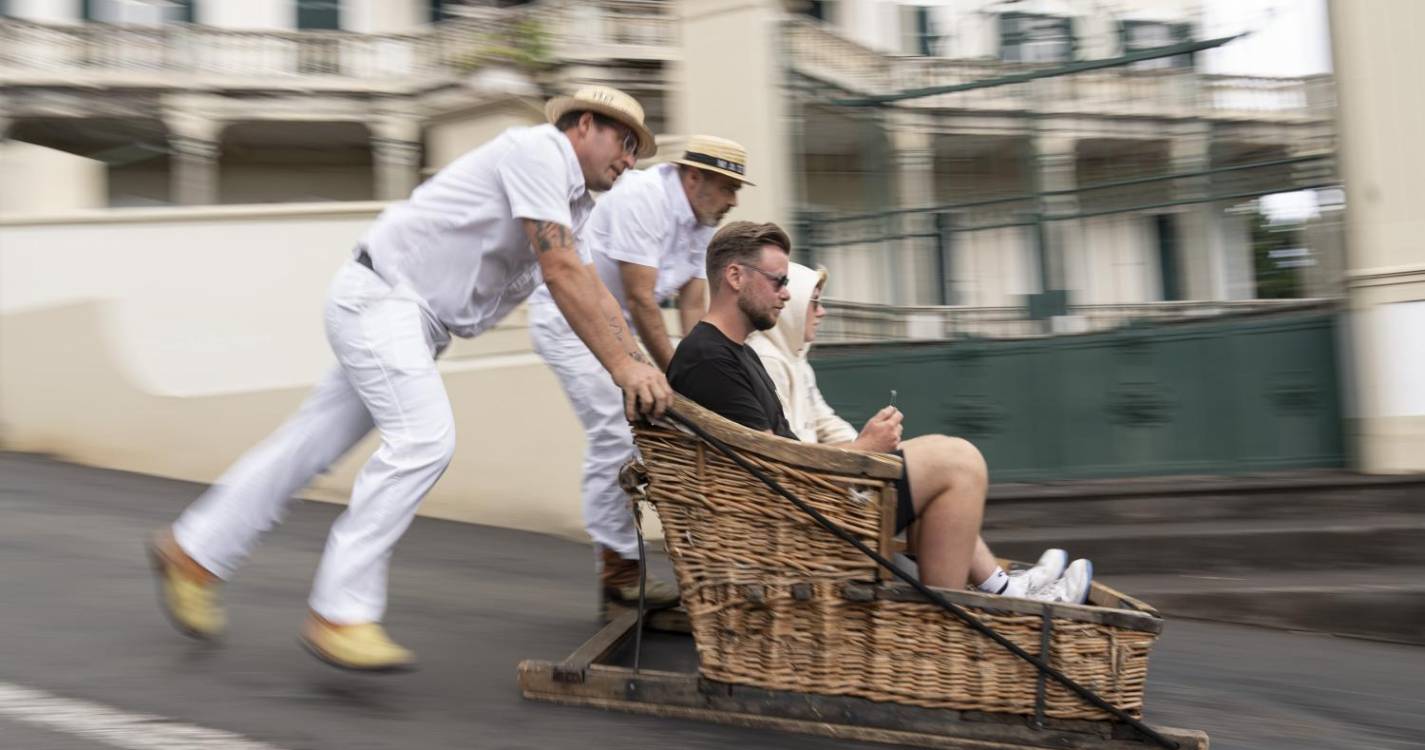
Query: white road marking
[[110, 726]]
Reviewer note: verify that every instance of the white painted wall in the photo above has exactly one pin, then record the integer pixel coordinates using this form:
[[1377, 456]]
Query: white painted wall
[[1115, 263], [169, 341], [249, 14], [384, 16], [35, 179], [270, 183], [451, 137], [735, 96], [51, 11]]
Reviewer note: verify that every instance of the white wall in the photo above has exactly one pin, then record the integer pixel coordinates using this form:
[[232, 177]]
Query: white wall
[[994, 267], [737, 95], [384, 16], [169, 341], [46, 10], [270, 183], [35, 179], [451, 137], [249, 14], [1116, 261]]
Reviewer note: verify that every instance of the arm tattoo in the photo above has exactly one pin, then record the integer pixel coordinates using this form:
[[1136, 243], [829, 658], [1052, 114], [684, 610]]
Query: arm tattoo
[[551, 236], [616, 328]]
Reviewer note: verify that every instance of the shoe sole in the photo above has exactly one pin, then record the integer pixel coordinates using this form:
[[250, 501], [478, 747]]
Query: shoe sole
[[1088, 589], [332, 661], [606, 603], [160, 564]]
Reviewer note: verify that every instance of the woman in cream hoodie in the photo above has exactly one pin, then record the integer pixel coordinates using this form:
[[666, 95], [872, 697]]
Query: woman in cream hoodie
[[783, 350]]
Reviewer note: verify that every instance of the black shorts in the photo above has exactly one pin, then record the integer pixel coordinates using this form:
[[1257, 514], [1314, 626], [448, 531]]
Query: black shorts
[[905, 507]]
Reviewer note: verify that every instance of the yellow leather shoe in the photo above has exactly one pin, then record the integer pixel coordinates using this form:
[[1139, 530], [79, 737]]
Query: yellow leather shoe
[[187, 592], [362, 647]]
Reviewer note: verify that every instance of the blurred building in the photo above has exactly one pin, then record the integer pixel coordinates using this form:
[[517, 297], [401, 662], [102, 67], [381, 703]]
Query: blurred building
[[195, 102], [1113, 186], [136, 128], [977, 198]]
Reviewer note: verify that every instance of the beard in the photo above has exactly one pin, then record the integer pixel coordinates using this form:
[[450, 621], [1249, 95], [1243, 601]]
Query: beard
[[762, 320]]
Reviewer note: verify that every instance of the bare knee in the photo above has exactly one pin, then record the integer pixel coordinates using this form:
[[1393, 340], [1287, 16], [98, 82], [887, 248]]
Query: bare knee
[[939, 462]]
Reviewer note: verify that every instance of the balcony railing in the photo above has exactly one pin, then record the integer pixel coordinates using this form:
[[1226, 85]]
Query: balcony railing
[[818, 52], [178, 54]]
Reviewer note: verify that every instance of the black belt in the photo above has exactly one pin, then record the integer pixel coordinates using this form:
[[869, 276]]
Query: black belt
[[365, 259]]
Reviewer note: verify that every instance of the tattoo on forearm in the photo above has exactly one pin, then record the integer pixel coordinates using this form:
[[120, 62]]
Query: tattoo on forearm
[[616, 327], [551, 236]]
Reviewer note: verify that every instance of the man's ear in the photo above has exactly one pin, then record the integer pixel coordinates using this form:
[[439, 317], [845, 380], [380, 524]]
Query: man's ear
[[732, 277]]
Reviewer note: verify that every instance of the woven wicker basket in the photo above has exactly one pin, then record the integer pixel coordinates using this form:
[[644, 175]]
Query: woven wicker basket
[[777, 602]]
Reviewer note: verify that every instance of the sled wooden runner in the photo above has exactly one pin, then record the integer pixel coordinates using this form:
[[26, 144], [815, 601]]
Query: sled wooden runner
[[590, 677]]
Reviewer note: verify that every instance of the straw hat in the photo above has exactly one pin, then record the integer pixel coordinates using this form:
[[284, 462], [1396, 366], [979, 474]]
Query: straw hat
[[609, 102], [716, 155]]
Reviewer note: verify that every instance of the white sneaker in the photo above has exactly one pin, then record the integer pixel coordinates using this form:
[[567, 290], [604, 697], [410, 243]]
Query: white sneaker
[[1072, 588], [1027, 583]]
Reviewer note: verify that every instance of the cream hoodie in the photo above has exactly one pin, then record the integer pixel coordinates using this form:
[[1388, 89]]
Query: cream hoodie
[[783, 351]]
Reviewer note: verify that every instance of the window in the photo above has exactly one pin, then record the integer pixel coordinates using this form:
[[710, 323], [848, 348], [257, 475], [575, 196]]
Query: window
[[319, 14], [1167, 227], [1140, 35], [1028, 37], [917, 31], [821, 10]]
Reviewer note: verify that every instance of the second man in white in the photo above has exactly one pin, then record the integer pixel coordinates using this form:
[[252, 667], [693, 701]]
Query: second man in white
[[648, 237]]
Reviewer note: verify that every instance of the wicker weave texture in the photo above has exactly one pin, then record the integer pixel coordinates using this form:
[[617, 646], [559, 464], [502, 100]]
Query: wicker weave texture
[[907, 652], [764, 588]]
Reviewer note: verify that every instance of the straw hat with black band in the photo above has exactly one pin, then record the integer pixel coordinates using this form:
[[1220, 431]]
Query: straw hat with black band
[[611, 103], [713, 154]]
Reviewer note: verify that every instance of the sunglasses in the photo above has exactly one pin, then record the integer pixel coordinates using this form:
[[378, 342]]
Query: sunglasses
[[780, 281]]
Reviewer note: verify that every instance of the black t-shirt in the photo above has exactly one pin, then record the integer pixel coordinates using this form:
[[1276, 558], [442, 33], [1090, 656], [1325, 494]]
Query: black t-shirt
[[728, 379]]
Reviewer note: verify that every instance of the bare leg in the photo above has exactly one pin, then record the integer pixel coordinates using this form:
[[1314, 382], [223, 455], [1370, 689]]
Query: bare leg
[[948, 480]]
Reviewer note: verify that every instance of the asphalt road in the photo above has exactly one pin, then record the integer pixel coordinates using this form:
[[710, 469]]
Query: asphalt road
[[83, 646]]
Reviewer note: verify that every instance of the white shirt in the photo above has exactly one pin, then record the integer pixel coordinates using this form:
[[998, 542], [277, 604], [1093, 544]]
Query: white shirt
[[459, 243], [645, 219]]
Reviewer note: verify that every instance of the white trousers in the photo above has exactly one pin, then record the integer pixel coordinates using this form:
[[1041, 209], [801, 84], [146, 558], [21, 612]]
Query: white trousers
[[608, 440], [385, 346]]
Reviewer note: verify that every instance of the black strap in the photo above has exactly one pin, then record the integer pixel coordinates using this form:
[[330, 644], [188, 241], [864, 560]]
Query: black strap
[[1089, 696]]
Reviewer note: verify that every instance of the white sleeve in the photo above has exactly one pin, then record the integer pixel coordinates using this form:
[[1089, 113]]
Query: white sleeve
[[829, 427], [535, 177], [634, 229], [699, 256]]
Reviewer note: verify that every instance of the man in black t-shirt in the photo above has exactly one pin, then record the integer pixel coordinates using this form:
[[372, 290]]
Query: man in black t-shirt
[[945, 479], [728, 378], [711, 365]]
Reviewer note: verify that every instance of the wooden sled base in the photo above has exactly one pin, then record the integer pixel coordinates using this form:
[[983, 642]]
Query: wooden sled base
[[587, 678]]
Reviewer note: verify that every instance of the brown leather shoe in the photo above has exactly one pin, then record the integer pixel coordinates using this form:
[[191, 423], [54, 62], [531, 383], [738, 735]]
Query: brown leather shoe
[[618, 584]]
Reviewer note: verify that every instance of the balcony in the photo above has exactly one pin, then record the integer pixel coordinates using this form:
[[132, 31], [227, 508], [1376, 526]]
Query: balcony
[[819, 54], [181, 56]]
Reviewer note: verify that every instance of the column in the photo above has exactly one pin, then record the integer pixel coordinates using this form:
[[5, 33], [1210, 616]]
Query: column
[[193, 159], [396, 158], [912, 279], [716, 91], [1057, 165], [1202, 262], [1382, 158]]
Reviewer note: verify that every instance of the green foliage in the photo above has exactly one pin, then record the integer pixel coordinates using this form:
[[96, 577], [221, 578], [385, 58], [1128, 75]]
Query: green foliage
[[1273, 280], [524, 43]]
